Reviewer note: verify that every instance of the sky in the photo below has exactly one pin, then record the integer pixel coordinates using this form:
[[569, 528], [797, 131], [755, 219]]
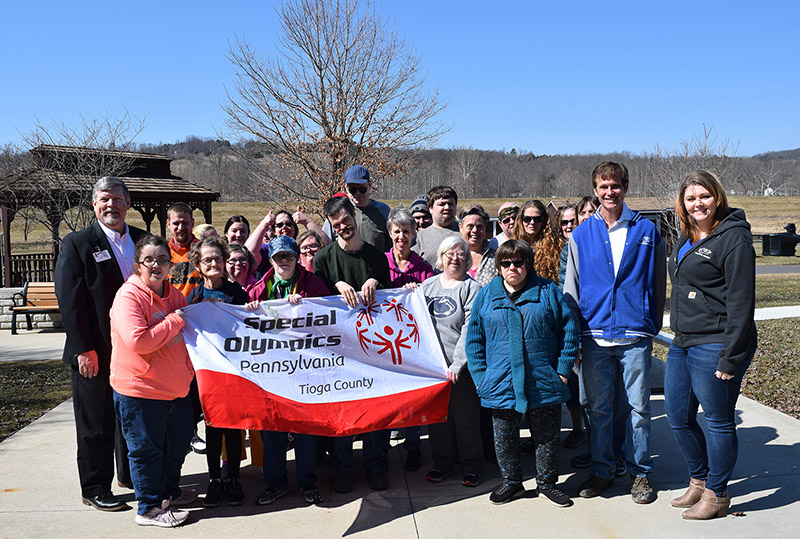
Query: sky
[[568, 77]]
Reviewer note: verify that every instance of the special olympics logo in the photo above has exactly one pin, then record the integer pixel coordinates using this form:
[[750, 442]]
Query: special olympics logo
[[378, 330]]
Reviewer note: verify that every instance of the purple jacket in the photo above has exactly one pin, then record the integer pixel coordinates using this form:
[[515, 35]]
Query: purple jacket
[[308, 285], [417, 270]]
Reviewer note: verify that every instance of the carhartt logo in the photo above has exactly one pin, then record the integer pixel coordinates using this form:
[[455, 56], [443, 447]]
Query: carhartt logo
[[692, 295], [704, 252]]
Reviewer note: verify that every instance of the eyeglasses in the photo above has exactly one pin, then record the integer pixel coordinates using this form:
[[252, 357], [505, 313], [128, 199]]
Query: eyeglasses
[[360, 190], [211, 259], [237, 261], [149, 261], [284, 257], [517, 263], [283, 224], [565, 222], [508, 220], [456, 256], [309, 248], [535, 218]]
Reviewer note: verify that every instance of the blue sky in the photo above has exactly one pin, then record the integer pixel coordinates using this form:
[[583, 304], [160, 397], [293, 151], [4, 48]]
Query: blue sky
[[546, 77]]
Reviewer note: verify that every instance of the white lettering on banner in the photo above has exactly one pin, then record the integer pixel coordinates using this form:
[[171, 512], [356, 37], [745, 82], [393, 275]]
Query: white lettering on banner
[[318, 352]]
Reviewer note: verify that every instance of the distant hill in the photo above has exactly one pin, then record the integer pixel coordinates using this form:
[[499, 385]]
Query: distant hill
[[779, 156]]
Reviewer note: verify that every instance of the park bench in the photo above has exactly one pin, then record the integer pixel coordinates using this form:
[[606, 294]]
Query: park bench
[[36, 298]]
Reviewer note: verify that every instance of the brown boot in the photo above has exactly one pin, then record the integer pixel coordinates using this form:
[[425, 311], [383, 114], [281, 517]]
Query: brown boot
[[692, 495], [710, 506]]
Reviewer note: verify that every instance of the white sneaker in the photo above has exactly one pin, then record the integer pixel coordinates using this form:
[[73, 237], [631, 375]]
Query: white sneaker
[[163, 518], [198, 445]]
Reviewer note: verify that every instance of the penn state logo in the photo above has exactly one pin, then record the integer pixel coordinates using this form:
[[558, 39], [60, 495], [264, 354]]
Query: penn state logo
[[442, 307]]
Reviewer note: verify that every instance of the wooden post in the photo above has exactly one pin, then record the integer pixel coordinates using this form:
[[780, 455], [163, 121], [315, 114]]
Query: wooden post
[[5, 217]]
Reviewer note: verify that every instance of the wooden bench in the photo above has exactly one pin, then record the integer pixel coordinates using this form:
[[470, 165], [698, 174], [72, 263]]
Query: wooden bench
[[36, 298]]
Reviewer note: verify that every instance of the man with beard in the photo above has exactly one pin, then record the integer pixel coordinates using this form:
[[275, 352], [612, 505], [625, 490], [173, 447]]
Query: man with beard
[[92, 265], [349, 266], [442, 203]]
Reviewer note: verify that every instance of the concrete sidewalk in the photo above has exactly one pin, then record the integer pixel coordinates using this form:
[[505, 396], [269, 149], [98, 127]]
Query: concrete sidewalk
[[39, 494]]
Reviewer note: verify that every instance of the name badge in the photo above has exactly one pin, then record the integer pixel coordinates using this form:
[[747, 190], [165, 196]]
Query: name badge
[[101, 256]]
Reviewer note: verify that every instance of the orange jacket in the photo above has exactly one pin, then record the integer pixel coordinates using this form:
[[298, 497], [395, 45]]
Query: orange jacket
[[148, 356]]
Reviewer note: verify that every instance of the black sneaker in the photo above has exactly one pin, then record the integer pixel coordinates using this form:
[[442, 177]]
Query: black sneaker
[[641, 491], [436, 475], [413, 460], [233, 491], [471, 480], [313, 495], [343, 482], [214, 493], [506, 493], [555, 495], [594, 485], [377, 480], [581, 461], [198, 445], [270, 495]]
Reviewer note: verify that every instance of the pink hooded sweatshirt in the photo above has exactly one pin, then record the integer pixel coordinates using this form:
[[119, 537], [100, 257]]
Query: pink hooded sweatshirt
[[148, 357]]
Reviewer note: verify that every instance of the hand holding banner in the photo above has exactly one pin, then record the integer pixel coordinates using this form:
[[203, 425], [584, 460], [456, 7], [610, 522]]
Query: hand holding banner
[[319, 367]]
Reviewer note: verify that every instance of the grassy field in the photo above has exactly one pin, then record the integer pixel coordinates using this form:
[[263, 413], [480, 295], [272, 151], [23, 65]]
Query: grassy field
[[28, 389]]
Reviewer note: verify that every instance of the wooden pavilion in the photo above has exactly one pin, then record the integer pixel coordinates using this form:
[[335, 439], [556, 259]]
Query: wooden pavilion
[[62, 178]]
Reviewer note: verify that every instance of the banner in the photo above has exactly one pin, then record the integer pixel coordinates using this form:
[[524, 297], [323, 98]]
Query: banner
[[319, 367]]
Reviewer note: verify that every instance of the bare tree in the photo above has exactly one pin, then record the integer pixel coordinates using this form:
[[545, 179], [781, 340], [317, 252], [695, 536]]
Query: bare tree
[[344, 88], [465, 166], [65, 162]]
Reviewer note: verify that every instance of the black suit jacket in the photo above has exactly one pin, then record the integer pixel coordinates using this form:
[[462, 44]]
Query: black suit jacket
[[86, 290]]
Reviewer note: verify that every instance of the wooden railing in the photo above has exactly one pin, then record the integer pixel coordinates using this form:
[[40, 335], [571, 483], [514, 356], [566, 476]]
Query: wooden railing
[[36, 267]]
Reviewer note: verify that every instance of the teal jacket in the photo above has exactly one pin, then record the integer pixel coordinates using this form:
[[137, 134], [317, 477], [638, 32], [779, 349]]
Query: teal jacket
[[516, 350]]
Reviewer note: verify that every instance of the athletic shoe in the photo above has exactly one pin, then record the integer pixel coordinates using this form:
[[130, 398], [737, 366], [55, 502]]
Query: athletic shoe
[[436, 475], [198, 445], [233, 491], [641, 491], [214, 493], [471, 480], [187, 497], [163, 518], [506, 493], [594, 485], [313, 495], [270, 495], [556, 496]]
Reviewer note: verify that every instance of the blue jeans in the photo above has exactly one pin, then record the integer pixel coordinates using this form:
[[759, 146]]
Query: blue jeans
[[690, 381], [158, 435], [274, 463], [617, 379], [375, 446]]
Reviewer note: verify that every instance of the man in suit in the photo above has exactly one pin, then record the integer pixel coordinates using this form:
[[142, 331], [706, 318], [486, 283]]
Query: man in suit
[[92, 265]]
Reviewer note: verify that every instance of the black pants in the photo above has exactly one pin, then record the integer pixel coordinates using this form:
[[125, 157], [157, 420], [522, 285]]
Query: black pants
[[99, 434]]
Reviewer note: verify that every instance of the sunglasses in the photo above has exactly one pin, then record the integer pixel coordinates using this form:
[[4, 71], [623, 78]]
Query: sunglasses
[[517, 263], [508, 220], [535, 218], [360, 190], [283, 224], [284, 257], [565, 222]]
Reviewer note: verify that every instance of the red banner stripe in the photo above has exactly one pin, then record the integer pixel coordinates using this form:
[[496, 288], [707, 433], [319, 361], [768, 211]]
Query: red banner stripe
[[230, 401]]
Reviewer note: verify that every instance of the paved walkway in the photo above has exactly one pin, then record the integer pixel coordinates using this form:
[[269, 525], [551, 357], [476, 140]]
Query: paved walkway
[[789, 268], [39, 495]]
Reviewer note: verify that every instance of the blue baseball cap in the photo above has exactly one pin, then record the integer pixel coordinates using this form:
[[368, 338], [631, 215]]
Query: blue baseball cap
[[283, 244], [357, 175]]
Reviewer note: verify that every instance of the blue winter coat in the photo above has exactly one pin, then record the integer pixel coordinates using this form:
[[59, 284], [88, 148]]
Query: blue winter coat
[[515, 351]]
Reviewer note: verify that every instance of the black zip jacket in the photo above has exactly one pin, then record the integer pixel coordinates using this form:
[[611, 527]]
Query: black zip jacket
[[713, 292]]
